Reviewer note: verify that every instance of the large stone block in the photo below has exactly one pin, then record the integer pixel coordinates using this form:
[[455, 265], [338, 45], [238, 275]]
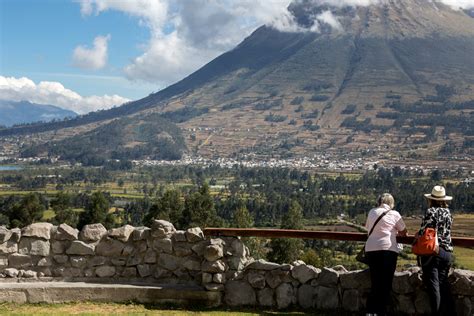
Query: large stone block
[[263, 265], [135, 260], [141, 233], [237, 263], [150, 256], [34, 246], [66, 232], [306, 297], [256, 280], [78, 247], [182, 249], [45, 262], [129, 272], [162, 229], [238, 248], [3, 262], [16, 235], [78, 262], [128, 250], [122, 233], [179, 236], [464, 307], [218, 266], [327, 297], [239, 293], [194, 234], [38, 230], [92, 232], [285, 295], [5, 234], [401, 283], [109, 248], [328, 277], [275, 277], [405, 305], [355, 279], [266, 298], [11, 273], [422, 303], [351, 300], [61, 259], [199, 248], [105, 271], [8, 247], [463, 282], [144, 270], [213, 252], [59, 247], [96, 261], [163, 245], [20, 261], [305, 273], [192, 264], [169, 262]]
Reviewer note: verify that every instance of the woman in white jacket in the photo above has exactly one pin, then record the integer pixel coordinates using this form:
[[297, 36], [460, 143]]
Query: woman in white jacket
[[382, 251]]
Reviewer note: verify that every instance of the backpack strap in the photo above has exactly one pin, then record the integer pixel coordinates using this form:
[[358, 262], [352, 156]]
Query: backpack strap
[[377, 221]]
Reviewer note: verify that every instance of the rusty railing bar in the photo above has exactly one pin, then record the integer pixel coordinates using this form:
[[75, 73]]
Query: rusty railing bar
[[311, 234]]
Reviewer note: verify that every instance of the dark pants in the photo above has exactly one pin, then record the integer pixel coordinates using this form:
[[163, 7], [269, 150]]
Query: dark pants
[[382, 266], [435, 278]]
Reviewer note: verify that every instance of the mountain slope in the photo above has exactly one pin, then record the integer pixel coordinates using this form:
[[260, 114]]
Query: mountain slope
[[396, 74], [12, 113]]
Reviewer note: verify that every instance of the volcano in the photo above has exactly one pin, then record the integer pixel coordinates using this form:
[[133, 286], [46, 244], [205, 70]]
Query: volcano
[[349, 79]]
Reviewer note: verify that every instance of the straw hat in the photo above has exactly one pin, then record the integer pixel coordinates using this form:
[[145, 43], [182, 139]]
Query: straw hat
[[438, 194]]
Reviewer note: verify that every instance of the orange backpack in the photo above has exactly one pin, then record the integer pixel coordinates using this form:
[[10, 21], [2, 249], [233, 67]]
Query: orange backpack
[[426, 244]]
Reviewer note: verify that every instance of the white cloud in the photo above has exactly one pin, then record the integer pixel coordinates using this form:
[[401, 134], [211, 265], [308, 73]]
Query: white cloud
[[463, 4], [187, 34], [54, 93], [329, 18], [92, 58]]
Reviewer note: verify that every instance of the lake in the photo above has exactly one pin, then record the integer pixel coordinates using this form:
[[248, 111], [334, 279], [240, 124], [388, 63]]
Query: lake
[[6, 168]]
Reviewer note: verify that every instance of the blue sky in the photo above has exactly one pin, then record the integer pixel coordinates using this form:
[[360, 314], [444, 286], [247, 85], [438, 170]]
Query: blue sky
[[38, 39]]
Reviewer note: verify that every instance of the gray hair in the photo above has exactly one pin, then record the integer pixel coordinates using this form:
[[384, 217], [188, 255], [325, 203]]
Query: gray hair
[[386, 198]]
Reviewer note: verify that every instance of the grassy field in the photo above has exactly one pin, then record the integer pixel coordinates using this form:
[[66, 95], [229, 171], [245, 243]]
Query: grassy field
[[133, 309]]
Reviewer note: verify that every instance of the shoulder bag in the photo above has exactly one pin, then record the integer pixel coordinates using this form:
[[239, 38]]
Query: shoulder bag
[[362, 256]]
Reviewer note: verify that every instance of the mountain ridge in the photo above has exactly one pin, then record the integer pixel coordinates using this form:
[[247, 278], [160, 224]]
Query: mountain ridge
[[23, 112]]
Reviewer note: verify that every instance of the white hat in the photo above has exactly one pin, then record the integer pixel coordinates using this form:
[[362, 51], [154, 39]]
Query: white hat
[[438, 194]]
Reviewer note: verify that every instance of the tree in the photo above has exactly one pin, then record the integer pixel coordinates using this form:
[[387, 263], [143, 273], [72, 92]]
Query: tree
[[168, 207], [61, 206], [199, 209], [286, 250], [242, 217], [29, 210], [97, 211]]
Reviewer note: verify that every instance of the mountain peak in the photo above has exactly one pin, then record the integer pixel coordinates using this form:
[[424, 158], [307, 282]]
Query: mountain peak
[[383, 18]]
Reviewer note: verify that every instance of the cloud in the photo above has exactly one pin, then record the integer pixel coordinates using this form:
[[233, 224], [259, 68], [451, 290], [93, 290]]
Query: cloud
[[54, 93], [92, 58], [185, 35], [330, 19], [456, 4]]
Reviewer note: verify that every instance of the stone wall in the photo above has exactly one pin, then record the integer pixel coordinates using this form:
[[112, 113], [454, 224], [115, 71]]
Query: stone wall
[[163, 255]]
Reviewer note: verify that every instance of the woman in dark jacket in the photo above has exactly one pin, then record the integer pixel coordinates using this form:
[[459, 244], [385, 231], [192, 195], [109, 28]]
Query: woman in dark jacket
[[436, 268]]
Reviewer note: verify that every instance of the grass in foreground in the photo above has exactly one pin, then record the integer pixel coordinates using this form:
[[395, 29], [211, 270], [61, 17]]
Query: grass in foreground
[[89, 308]]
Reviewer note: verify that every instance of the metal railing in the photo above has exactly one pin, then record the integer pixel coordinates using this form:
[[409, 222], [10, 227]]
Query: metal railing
[[467, 242]]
